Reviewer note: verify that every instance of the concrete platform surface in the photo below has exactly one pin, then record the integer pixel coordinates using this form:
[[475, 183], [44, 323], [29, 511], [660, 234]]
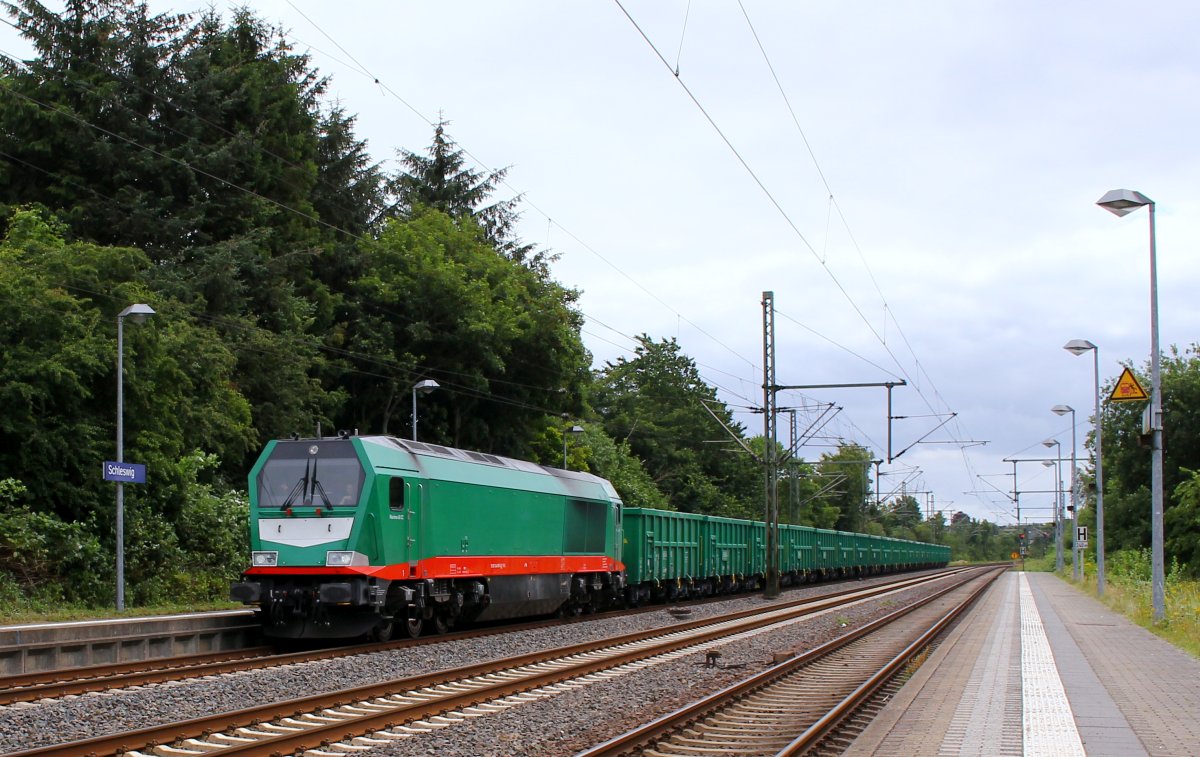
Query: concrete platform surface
[[1041, 668]]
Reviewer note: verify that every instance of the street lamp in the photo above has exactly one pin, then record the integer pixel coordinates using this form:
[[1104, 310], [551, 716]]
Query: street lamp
[[1121, 202], [566, 433], [1078, 347], [424, 387], [1075, 570], [1058, 551], [138, 313]]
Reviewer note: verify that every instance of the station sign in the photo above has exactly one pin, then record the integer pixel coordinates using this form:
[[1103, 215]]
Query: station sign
[[129, 473], [1081, 536]]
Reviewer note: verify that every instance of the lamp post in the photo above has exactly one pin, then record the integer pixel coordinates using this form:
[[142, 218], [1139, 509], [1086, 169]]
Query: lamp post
[[1075, 568], [138, 313], [1121, 202], [1058, 550], [424, 387], [1078, 347], [576, 430]]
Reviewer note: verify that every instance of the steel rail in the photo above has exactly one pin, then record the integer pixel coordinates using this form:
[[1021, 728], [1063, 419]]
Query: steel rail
[[26, 687]]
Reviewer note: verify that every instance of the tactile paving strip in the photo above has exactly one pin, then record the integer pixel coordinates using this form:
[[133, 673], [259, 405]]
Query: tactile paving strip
[[1049, 726]]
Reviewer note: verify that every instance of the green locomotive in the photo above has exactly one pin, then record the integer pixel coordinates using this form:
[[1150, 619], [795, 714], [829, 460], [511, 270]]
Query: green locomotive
[[372, 534]]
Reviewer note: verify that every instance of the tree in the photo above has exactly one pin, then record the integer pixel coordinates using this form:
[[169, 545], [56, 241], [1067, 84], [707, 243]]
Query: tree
[[903, 513], [850, 467], [799, 497], [1127, 464], [982, 540], [656, 403], [58, 310], [441, 180], [79, 120], [932, 530], [203, 144], [502, 342], [1183, 523], [55, 360]]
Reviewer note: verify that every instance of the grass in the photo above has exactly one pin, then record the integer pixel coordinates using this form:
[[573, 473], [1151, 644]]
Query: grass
[[13, 617]]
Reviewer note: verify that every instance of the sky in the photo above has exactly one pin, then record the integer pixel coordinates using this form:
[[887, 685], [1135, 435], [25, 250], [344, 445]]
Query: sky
[[915, 183]]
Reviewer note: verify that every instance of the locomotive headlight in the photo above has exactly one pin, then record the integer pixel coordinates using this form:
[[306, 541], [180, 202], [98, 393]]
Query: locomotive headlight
[[264, 559], [338, 559]]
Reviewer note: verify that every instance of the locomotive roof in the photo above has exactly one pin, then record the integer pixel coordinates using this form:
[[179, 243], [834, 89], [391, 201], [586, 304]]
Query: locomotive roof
[[425, 449]]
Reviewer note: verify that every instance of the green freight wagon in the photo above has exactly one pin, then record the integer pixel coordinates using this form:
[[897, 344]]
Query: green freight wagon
[[663, 553], [826, 551], [735, 552], [798, 558]]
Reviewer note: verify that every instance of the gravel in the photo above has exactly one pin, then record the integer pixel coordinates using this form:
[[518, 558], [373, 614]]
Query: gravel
[[556, 725]]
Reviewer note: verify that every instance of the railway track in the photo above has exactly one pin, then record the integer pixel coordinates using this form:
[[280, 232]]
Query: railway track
[[367, 716], [32, 687], [798, 706], [53, 684]]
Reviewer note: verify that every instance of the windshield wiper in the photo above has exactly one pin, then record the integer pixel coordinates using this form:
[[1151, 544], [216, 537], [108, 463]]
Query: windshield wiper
[[316, 485], [301, 488], [324, 498]]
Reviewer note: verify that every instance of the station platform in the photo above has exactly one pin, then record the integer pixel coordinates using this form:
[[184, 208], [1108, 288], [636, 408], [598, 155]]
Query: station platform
[[1041, 669]]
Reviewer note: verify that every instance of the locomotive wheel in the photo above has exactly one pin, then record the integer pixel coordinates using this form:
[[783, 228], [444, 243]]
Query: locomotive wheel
[[440, 624], [412, 626], [384, 631]]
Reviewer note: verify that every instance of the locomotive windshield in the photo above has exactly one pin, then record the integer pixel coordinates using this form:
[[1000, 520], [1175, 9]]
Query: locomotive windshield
[[315, 473]]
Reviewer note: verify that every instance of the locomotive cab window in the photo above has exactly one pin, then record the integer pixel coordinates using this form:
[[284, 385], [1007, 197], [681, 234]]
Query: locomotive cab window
[[396, 487], [319, 473]]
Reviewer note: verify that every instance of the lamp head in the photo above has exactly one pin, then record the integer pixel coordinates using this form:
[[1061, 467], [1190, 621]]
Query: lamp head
[[1050, 442], [1121, 202], [575, 429], [425, 386], [1048, 463], [1062, 409], [1078, 346], [138, 313]]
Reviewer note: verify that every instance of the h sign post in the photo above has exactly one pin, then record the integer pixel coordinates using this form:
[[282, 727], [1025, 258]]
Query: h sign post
[[1081, 537]]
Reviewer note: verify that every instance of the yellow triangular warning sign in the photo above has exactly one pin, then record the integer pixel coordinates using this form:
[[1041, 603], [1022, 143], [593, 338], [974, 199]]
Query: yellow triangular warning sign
[[1128, 389]]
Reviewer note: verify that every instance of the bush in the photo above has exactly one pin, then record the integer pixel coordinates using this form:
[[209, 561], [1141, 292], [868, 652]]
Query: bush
[[48, 565], [45, 561], [1130, 565], [196, 558]]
